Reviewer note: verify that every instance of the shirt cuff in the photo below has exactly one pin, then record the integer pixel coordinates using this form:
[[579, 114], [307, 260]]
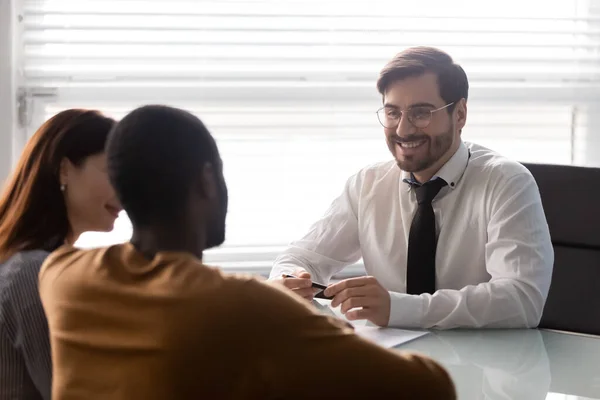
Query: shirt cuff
[[406, 311], [281, 269]]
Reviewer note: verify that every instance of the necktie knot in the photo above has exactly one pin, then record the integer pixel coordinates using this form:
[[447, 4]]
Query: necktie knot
[[427, 192]]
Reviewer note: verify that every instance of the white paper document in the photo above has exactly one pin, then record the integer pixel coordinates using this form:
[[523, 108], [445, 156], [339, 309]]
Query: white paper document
[[388, 337]]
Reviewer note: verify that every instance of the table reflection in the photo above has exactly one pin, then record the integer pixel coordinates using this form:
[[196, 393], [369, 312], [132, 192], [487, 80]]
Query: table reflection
[[491, 364]]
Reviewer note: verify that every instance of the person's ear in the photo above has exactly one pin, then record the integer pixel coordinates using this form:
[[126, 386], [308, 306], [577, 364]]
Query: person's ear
[[208, 181], [65, 171], [461, 114]]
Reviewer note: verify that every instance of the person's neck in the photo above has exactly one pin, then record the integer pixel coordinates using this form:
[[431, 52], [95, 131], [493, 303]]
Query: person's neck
[[72, 236], [426, 175], [152, 240], [76, 229]]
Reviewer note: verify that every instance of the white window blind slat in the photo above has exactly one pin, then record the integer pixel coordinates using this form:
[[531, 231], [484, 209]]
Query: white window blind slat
[[315, 8], [288, 87]]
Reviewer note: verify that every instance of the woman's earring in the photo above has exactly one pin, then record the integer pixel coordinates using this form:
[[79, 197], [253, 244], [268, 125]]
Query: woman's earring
[[63, 187]]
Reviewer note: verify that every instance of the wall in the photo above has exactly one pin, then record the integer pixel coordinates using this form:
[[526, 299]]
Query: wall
[[12, 137], [589, 141]]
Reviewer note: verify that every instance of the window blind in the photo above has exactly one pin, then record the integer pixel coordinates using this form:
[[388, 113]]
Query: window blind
[[288, 87]]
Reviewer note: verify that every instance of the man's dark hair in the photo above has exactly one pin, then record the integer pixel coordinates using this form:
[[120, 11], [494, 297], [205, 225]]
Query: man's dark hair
[[155, 154], [415, 61]]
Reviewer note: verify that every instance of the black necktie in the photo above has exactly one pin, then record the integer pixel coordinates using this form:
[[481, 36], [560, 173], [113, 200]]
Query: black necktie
[[420, 268]]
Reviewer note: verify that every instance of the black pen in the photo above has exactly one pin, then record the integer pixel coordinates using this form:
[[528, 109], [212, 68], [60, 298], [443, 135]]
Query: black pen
[[314, 284]]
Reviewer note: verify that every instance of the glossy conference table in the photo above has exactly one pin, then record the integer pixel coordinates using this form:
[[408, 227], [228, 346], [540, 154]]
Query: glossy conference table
[[516, 364]]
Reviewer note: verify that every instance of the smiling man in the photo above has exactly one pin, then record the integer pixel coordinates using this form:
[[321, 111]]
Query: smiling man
[[451, 233]]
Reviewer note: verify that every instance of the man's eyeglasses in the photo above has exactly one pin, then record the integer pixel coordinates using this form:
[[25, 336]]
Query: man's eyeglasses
[[420, 116]]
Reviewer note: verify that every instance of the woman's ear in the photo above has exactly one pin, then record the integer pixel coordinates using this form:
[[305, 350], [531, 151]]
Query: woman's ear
[[66, 168]]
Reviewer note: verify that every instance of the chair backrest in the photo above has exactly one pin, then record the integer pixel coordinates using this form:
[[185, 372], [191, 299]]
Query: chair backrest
[[571, 199]]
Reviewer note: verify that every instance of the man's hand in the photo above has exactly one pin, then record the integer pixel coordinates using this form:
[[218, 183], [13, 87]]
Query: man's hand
[[301, 285], [361, 298]]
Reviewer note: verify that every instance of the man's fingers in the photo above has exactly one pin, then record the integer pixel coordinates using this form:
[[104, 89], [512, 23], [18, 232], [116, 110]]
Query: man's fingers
[[363, 313], [296, 283], [357, 302], [348, 293], [349, 283], [371, 314]]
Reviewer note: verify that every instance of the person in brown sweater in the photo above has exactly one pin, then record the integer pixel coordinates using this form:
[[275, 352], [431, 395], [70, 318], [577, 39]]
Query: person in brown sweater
[[148, 320]]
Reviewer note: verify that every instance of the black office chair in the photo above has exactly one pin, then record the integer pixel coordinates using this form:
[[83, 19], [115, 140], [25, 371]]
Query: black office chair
[[571, 199]]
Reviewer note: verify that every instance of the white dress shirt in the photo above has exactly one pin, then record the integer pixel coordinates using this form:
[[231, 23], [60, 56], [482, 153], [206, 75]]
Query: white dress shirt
[[494, 256]]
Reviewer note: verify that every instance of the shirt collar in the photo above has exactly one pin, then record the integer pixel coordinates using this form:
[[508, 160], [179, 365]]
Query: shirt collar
[[451, 172]]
